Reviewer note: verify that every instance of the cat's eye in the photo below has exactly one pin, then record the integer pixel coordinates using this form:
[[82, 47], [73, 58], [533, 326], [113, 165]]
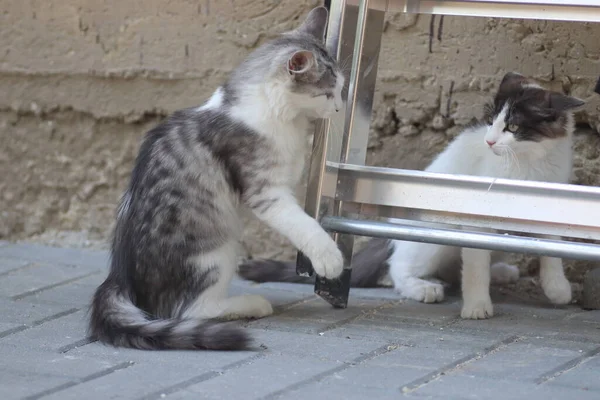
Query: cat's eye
[[512, 128], [490, 120]]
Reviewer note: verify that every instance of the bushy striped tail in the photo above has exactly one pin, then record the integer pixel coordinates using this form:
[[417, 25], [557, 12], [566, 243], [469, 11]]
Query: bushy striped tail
[[115, 320]]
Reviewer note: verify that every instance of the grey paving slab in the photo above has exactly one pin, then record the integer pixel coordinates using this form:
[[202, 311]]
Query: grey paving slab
[[25, 313], [38, 277], [381, 346], [76, 293], [53, 335], [55, 255], [476, 388], [8, 265], [585, 375]]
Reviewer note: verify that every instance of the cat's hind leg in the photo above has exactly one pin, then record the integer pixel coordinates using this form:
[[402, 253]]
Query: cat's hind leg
[[552, 277], [411, 263], [217, 268], [503, 273]]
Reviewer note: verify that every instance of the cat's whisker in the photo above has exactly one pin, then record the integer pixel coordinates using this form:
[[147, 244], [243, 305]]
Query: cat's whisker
[[515, 159]]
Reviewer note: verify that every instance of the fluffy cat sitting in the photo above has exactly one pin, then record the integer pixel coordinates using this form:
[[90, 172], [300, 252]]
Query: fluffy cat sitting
[[526, 134], [175, 246]]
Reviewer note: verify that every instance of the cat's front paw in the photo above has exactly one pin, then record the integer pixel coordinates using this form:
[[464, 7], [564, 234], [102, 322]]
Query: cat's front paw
[[480, 308], [327, 260], [558, 290]]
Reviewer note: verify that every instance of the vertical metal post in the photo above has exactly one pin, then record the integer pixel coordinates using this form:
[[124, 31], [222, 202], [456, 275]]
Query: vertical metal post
[[353, 33]]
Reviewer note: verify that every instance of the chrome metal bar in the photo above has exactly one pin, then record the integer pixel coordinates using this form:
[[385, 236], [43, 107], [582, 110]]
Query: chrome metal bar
[[535, 207], [508, 243], [353, 139], [561, 10]]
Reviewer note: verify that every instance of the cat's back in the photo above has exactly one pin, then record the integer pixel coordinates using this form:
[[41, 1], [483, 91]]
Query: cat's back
[[465, 155]]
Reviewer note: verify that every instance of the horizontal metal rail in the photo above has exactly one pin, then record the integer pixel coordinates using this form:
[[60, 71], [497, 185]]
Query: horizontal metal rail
[[502, 204], [561, 10], [507, 243]]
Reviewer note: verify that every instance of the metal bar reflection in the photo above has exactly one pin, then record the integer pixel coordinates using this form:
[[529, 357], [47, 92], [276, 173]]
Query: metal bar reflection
[[507, 243]]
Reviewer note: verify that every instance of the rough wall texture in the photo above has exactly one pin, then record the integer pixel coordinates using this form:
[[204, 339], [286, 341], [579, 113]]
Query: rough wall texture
[[82, 81]]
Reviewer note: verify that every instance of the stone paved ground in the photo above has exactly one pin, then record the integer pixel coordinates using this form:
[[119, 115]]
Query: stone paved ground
[[380, 347]]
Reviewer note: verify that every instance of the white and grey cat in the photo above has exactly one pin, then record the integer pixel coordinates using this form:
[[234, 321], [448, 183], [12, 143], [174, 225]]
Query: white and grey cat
[[525, 124], [176, 241]]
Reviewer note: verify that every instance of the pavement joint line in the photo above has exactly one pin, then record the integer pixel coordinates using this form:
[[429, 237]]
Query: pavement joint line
[[435, 375], [52, 286], [353, 318], [79, 381], [159, 394], [75, 345], [284, 307], [10, 271], [39, 322], [566, 367], [325, 374]]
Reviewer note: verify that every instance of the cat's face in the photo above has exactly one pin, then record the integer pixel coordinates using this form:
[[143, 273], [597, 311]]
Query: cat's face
[[299, 75], [524, 116], [316, 83], [312, 77]]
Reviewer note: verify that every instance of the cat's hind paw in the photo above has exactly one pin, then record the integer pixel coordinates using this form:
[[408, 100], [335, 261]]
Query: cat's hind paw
[[424, 291], [247, 306], [558, 290], [503, 273]]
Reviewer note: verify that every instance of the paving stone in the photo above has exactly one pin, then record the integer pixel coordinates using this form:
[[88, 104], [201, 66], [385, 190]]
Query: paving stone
[[8, 265], [55, 255], [76, 293], [46, 370], [290, 359], [584, 376], [522, 361], [381, 346], [25, 313], [157, 371], [52, 335], [477, 388], [38, 277]]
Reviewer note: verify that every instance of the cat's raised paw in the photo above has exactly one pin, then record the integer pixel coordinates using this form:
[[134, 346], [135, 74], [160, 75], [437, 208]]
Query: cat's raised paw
[[327, 261], [478, 309], [558, 290]]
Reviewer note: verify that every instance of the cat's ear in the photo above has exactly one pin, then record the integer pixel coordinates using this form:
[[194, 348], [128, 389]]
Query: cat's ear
[[300, 62], [315, 23], [511, 80], [561, 102]]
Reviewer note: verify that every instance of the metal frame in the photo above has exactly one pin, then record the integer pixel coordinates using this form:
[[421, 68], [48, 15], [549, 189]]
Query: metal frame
[[341, 187]]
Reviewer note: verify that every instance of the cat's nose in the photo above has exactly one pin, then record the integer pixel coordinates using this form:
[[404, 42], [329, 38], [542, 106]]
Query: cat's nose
[[490, 142]]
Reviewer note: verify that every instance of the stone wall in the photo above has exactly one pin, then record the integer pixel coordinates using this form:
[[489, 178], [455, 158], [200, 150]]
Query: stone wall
[[82, 81]]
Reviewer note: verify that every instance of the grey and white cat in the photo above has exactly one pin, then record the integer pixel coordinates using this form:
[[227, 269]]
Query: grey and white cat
[[526, 134], [176, 241]]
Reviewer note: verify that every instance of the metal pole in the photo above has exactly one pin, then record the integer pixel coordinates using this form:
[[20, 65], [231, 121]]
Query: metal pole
[[507, 243]]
